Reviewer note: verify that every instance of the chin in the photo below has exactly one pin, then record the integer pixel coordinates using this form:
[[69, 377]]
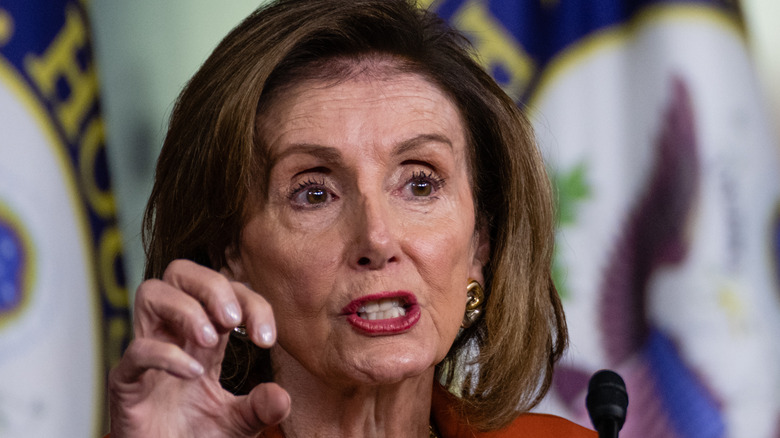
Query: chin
[[393, 365]]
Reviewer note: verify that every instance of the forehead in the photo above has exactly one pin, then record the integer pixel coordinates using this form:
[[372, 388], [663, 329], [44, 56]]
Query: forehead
[[376, 102]]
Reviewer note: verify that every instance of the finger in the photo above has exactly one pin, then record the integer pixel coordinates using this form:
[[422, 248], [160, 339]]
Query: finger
[[158, 303], [143, 355], [210, 288], [267, 404], [258, 316]]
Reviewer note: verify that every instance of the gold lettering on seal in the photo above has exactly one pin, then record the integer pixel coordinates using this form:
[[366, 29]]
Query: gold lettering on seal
[[60, 61], [101, 201], [497, 47], [6, 27]]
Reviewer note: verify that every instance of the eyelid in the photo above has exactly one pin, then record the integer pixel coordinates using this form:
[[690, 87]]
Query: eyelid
[[312, 170], [422, 163]]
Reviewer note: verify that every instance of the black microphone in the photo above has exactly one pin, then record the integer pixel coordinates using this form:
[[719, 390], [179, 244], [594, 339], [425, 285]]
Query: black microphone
[[607, 401]]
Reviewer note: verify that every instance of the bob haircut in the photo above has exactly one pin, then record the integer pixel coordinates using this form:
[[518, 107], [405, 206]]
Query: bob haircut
[[211, 165]]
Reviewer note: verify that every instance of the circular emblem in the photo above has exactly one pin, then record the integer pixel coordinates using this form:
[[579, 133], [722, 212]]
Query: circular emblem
[[15, 265]]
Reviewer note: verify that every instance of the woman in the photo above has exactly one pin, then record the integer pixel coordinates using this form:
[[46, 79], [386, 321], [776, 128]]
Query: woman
[[343, 186]]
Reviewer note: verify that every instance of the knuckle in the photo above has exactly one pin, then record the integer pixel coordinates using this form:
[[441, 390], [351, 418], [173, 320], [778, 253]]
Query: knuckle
[[217, 283], [138, 347], [145, 289], [134, 353], [177, 268], [217, 292], [191, 315], [259, 303], [177, 264]]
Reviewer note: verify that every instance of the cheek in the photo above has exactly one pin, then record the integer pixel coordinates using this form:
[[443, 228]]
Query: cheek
[[443, 260], [444, 249], [291, 272]]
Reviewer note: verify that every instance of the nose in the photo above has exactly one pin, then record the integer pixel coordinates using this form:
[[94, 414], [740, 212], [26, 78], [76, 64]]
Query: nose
[[374, 242]]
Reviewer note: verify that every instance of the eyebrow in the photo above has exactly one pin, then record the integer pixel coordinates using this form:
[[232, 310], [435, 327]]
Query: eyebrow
[[420, 140], [333, 155], [325, 153]]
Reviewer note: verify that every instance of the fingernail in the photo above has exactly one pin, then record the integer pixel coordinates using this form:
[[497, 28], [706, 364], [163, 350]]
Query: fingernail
[[196, 368], [232, 313], [209, 335], [267, 334]]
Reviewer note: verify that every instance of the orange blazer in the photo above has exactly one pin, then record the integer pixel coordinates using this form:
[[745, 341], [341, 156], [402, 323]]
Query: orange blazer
[[446, 416]]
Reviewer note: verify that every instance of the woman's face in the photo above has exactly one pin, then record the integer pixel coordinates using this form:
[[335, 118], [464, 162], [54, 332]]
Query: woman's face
[[366, 238]]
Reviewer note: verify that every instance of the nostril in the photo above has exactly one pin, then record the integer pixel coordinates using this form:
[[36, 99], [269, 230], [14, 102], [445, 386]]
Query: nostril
[[363, 261]]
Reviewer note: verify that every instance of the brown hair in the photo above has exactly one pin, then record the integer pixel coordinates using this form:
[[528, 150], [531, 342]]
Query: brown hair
[[211, 164]]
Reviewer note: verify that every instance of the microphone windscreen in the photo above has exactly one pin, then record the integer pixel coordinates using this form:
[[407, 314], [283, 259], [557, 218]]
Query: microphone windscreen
[[607, 398]]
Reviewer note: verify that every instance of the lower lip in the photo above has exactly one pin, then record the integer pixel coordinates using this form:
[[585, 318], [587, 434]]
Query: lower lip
[[392, 326]]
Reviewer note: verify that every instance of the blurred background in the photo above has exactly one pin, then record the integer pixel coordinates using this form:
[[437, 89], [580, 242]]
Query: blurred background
[[688, 312]]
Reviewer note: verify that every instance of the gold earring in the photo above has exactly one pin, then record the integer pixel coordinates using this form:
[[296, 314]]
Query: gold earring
[[476, 297]]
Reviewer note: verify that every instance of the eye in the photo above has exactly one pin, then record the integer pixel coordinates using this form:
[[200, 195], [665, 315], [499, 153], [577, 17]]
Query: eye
[[421, 188], [311, 193], [423, 185], [316, 195]]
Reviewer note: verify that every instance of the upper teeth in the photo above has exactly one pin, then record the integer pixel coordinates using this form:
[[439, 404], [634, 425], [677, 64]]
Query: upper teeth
[[382, 309]]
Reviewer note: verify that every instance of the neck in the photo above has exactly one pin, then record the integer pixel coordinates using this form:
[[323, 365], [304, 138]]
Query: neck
[[324, 408]]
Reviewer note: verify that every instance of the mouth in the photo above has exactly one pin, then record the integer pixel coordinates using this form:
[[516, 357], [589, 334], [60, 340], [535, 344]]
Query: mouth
[[385, 308], [386, 313]]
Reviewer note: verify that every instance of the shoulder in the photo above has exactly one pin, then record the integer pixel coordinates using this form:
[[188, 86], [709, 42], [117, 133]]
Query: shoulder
[[530, 426], [448, 415]]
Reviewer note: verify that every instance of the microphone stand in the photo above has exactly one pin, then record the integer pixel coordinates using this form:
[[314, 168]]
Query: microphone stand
[[608, 429]]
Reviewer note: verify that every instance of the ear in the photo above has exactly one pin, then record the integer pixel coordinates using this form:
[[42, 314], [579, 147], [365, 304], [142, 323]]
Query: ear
[[481, 247], [234, 268]]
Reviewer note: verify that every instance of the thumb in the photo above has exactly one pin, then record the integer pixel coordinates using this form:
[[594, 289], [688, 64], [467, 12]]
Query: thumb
[[266, 405]]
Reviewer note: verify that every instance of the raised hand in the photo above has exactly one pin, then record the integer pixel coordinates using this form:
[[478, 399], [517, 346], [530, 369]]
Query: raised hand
[[167, 383]]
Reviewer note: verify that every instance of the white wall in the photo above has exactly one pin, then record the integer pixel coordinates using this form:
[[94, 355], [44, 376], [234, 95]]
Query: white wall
[[146, 51]]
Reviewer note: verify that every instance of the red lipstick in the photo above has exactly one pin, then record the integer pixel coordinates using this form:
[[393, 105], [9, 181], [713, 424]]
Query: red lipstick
[[386, 313]]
